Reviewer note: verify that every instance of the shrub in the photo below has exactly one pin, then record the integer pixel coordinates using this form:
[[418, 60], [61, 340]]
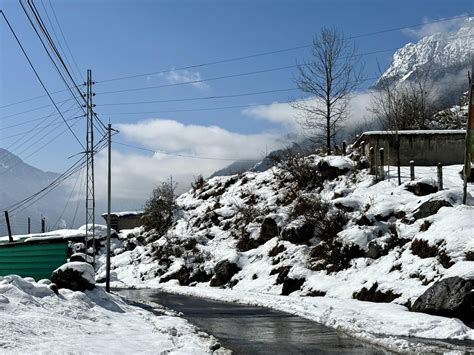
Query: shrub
[[198, 183], [160, 209], [317, 213]]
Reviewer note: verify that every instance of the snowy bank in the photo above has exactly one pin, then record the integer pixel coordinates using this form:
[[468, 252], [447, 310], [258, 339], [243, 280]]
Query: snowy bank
[[36, 320]]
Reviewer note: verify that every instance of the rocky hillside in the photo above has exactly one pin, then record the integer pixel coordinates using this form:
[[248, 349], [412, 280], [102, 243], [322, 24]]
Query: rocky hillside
[[312, 226]]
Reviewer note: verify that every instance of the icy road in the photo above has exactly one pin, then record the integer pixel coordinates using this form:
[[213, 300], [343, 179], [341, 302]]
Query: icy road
[[256, 330]]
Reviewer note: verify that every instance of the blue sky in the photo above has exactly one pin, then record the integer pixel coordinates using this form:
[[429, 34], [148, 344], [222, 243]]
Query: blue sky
[[120, 38]]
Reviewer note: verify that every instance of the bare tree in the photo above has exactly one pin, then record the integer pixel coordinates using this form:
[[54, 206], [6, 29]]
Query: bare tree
[[404, 106], [329, 77]]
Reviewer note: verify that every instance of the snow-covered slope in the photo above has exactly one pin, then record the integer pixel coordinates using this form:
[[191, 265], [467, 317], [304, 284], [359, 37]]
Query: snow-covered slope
[[446, 56], [321, 226]]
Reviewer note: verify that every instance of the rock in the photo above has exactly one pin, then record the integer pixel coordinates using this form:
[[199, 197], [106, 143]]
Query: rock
[[421, 188], [54, 288], [282, 273], [429, 208], [223, 272], [269, 229], [329, 172], [423, 249], [81, 257], [374, 295], [76, 276], [277, 249], [291, 285], [182, 275], [450, 297], [299, 235]]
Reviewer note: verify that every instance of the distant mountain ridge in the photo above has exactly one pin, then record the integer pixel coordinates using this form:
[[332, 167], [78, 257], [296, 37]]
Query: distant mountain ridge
[[19, 180], [445, 56]]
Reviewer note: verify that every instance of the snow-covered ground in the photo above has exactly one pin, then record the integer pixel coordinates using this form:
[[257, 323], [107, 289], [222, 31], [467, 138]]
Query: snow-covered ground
[[387, 207], [215, 218], [36, 320]]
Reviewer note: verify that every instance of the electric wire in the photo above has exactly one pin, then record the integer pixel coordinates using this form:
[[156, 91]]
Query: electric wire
[[65, 41], [184, 155], [279, 50], [38, 77]]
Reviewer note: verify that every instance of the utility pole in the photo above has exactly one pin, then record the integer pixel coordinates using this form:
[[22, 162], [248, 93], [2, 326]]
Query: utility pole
[[469, 136], [109, 193], [90, 191], [7, 220]]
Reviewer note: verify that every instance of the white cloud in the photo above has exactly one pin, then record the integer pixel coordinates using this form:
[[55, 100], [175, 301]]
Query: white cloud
[[281, 113], [183, 76], [449, 27], [286, 115], [135, 174]]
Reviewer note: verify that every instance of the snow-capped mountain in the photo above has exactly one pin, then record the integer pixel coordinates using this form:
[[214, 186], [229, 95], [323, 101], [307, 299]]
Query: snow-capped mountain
[[444, 56], [18, 180]]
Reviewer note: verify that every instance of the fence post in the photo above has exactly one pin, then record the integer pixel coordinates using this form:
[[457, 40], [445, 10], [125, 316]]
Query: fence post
[[43, 225], [7, 219], [372, 160], [382, 163], [440, 176], [412, 170], [344, 147]]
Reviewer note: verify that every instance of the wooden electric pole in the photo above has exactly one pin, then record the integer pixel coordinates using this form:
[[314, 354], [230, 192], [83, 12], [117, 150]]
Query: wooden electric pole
[[469, 137], [109, 202]]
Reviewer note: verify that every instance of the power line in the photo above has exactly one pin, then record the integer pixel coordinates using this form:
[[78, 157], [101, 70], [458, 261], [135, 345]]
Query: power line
[[33, 120], [200, 98], [31, 110], [276, 51], [38, 77], [27, 202], [34, 98], [53, 124], [65, 41], [247, 73], [184, 155], [56, 37], [40, 148], [19, 143]]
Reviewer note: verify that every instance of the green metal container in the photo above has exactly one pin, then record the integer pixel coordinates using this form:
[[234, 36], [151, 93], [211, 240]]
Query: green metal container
[[37, 259]]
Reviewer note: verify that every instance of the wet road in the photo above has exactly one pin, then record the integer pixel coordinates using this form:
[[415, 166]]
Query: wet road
[[255, 330]]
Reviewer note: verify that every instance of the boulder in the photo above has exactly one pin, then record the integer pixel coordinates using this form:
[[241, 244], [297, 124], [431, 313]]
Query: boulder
[[182, 275], [76, 276], [450, 297], [291, 285], [429, 208], [269, 229], [330, 172], [422, 188], [299, 235], [223, 272], [373, 294], [81, 257]]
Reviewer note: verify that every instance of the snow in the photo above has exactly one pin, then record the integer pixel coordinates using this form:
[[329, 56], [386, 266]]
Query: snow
[[123, 213], [399, 270], [417, 132], [37, 321], [85, 269]]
